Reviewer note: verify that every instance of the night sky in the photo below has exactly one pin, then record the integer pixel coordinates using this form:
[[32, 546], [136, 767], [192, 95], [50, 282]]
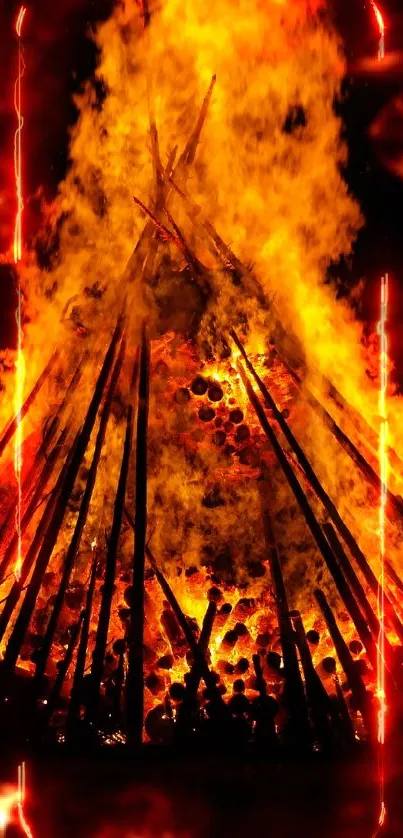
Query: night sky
[[59, 57]]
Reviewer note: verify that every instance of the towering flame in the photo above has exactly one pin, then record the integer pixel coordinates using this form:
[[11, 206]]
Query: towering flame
[[381, 25], [384, 472], [20, 362]]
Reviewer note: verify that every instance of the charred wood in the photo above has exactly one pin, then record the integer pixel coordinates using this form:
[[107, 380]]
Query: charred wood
[[135, 674], [318, 699], [11, 428], [76, 697], [80, 524], [98, 657], [358, 691], [59, 510], [294, 690]]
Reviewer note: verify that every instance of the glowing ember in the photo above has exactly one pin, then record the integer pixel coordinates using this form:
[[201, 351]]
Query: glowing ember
[[381, 24], [20, 363], [383, 462]]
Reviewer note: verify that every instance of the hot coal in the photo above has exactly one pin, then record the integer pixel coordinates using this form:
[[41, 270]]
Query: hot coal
[[199, 386], [206, 414], [215, 393]]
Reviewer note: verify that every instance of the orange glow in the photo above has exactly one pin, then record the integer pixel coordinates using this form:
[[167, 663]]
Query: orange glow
[[381, 24], [20, 362], [384, 469]]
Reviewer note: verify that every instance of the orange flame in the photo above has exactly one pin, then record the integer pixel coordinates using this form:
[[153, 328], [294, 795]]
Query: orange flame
[[20, 362], [384, 469], [15, 798], [381, 24]]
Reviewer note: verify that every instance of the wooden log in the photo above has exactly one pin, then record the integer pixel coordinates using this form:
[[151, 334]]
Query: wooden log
[[80, 524], [195, 675], [188, 155], [198, 655], [47, 471], [354, 679], [76, 695], [294, 690], [315, 484], [286, 466], [61, 675], [348, 446], [346, 724], [50, 537], [14, 423], [393, 576], [29, 558], [318, 699], [135, 673], [101, 639]]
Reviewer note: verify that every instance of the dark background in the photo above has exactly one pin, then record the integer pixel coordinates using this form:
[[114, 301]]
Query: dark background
[[59, 56]]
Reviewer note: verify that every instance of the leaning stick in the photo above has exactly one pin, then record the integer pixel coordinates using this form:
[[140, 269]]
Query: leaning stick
[[355, 455], [52, 532], [135, 674], [62, 673], [77, 688], [314, 483], [18, 585], [101, 639], [80, 524], [317, 696], [355, 681], [44, 478], [14, 423], [295, 695]]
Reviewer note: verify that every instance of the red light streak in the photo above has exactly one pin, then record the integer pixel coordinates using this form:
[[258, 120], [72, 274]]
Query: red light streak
[[20, 362], [21, 799], [381, 25], [384, 474]]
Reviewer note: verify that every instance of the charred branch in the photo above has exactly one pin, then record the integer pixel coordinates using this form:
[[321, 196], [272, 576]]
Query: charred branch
[[76, 697], [135, 674], [59, 511], [109, 578], [80, 524]]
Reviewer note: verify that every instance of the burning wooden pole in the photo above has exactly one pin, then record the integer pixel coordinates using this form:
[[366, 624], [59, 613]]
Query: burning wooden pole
[[313, 481], [41, 457], [295, 695], [346, 443], [80, 524], [135, 674], [59, 511], [101, 639], [29, 559], [198, 655], [195, 674], [35, 500], [61, 675], [11, 428], [318, 699], [76, 696], [358, 691]]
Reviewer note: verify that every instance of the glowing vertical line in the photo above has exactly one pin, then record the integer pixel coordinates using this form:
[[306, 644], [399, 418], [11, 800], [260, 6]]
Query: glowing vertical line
[[381, 25], [20, 363], [384, 474], [21, 799]]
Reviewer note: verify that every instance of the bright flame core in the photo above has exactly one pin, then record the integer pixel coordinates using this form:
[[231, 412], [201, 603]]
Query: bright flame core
[[20, 362]]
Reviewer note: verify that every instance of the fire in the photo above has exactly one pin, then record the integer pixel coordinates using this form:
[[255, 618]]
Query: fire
[[20, 362], [384, 471], [381, 24]]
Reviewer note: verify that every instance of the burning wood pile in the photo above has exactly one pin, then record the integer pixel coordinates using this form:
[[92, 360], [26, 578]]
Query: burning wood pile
[[182, 573]]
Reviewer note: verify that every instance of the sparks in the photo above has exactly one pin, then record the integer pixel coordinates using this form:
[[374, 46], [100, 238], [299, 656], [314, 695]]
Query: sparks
[[20, 363], [381, 25], [384, 469]]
